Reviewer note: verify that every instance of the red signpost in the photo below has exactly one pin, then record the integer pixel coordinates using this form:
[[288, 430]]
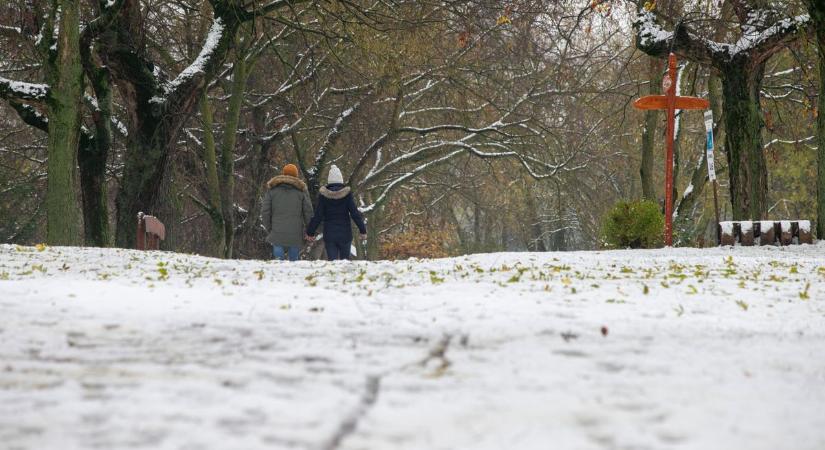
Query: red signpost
[[670, 102]]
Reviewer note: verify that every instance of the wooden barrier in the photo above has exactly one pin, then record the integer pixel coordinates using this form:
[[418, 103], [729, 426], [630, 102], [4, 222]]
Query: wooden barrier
[[806, 236], [765, 232], [150, 231], [746, 233], [785, 232], [728, 233]]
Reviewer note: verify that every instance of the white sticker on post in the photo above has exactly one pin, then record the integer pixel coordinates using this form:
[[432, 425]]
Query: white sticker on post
[[709, 147]]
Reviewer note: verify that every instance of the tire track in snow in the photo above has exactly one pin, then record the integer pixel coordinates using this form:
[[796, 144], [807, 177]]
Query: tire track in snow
[[350, 423], [373, 387]]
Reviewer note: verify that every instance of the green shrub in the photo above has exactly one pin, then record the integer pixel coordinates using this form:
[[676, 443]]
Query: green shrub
[[634, 225]]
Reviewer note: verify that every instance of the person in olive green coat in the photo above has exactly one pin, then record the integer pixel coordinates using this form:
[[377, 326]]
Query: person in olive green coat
[[285, 213]]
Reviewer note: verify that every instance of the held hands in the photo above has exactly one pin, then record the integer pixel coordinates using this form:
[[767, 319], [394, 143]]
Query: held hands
[[309, 238], [363, 236]]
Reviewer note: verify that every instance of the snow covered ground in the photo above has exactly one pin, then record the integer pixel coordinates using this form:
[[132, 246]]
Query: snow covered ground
[[704, 349]]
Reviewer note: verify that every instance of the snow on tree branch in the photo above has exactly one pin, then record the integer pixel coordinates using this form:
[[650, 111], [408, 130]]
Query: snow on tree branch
[[10, 31], [753, 38], [757, 37], [790, 142], [332, 136], [19, 90], [649, 33], [407, 176], [198, 66]]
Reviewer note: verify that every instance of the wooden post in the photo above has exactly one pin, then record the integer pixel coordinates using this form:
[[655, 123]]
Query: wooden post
[[670, 87], [670, 103]]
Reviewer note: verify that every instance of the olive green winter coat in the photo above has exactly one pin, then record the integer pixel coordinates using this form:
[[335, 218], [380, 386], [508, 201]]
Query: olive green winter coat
[[286, 211]]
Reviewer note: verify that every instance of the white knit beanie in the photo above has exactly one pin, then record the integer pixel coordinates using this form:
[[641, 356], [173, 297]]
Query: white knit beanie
[[335, 175]]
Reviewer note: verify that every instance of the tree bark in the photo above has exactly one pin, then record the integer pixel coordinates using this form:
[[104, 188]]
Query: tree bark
[[649, 133], [373, 244], [252, 232], [820, 124], [537, 229], [741, 85], [92, 157], [559, 237], [227, 161], [212, 207], [66, 81], [816, 8]]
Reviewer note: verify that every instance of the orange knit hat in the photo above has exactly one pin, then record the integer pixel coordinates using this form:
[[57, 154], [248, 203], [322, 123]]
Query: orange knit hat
[[291, 170]]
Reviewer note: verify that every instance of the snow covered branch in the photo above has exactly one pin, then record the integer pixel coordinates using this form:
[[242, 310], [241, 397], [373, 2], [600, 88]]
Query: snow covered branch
[[22, 91], [757, 39], [208, 56], [6, 30], [789, 142], [332, 136], [654, 40]]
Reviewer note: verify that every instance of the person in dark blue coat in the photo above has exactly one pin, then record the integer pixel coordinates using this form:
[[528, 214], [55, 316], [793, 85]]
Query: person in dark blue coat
[[335, 209]]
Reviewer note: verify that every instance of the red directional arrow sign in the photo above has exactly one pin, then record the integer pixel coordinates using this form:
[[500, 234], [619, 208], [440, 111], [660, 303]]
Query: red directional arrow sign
[[670, 103], [660, 102]]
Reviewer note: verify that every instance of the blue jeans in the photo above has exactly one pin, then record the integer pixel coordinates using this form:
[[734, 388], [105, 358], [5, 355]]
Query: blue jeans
[[278, 252], [337, 250]]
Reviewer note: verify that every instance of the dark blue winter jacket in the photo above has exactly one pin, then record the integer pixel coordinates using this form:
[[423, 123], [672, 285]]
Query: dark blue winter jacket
[[335, 208]]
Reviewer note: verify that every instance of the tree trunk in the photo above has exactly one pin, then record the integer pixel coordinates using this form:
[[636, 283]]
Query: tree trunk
[[478, 233], [818, 18], [92, 159], [373, 245], [741, 84], [649, 133], [537, 228], [227, 161], [213, 187], [143, 173], [66, 80], [252, 231], [559, 236]]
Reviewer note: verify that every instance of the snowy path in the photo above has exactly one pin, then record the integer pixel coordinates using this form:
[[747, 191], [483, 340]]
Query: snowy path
[[706, 349]]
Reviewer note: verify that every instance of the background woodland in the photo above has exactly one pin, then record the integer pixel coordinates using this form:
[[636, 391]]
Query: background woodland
[[462, 126]]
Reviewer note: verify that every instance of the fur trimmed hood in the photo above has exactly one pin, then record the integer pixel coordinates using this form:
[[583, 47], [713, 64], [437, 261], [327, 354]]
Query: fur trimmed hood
[[288, 180], [335, 195]]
